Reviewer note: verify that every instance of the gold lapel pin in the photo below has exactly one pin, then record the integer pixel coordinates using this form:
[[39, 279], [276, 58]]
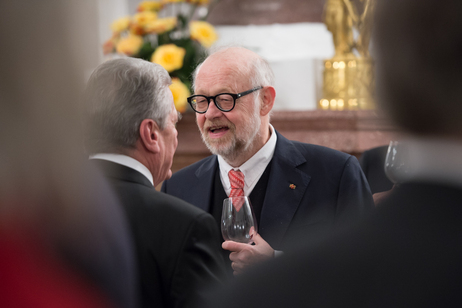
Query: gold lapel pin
[[292, 186]]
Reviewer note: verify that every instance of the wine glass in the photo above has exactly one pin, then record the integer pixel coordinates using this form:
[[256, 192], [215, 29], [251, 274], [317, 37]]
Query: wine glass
[[396, 162], [238, 221]]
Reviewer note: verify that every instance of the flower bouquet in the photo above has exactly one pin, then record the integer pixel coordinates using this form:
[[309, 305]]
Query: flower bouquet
[[171, 33]]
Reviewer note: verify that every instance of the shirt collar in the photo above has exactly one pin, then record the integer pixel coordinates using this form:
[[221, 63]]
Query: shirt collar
[[126, 161], [252, 168]]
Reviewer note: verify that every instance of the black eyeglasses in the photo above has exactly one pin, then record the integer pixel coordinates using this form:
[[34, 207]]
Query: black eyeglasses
[[224, 101]]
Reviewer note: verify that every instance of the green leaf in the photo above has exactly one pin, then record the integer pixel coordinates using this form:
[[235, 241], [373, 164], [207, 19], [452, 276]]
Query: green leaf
[[182, 22], [164, 38], [146, 51]]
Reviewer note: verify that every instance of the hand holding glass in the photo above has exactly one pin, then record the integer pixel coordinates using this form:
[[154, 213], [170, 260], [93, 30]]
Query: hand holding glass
[[238, 221]]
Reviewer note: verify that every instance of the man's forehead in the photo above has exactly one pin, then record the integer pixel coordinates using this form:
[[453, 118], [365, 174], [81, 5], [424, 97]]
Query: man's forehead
[[219, 78], [216, 69]]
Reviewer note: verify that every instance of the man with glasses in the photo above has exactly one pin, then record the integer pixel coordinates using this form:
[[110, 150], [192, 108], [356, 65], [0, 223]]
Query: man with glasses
[[295, 188]]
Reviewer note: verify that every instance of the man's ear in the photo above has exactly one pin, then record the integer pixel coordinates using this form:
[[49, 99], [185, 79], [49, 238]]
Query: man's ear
[[149, 135], [268, 95]]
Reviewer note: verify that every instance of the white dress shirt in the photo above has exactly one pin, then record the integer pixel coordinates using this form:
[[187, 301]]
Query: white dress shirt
[[126, 161], [252, 169]]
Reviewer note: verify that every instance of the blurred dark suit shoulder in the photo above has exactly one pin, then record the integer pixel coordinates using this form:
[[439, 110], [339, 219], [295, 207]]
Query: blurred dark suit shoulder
[[178, 244]]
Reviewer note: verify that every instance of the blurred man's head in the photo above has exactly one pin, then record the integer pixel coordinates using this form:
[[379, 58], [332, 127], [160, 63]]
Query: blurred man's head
[[39, 125], [129, 110], [237, 134], [418, 51]]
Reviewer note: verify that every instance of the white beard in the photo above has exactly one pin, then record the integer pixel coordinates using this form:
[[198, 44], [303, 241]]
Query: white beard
[[238, 144]]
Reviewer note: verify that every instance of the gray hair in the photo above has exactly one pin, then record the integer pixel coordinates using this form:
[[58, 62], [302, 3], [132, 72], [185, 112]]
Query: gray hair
[[120, 94], [257, 69]]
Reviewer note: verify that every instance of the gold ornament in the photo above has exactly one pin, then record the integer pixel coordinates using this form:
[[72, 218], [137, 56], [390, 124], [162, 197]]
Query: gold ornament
[[348, 79]]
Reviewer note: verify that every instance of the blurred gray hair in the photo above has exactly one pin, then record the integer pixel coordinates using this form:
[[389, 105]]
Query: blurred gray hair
[[120, 94]]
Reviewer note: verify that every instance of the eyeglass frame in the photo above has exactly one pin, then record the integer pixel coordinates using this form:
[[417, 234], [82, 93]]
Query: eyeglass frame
[[233, 95]]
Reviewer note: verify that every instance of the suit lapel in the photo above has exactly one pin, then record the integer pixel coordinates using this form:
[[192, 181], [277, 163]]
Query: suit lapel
[[202, 187], [285, 190]]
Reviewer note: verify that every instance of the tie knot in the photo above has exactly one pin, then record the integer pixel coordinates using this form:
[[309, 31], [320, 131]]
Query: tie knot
[[236, 178]]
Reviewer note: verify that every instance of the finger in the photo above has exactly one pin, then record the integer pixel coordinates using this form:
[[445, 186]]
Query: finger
[[252, 232], [234, 256], [234, 246], [257, 238], [237, 267]]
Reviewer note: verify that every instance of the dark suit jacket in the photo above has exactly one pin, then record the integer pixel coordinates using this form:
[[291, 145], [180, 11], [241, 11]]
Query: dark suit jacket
[[408, 254], [329, 187], [372, 162], [178, 244]]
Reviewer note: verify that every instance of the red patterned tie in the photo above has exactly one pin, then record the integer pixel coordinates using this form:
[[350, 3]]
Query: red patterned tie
[[236, 178]]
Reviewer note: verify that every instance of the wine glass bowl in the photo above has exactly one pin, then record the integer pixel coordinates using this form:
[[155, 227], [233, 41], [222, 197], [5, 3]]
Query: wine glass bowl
[[396, 162], [238, 221]]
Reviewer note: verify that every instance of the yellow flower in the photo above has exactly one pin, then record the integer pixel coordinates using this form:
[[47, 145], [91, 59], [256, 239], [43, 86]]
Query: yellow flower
[[120, 24], [130, 45], [149, 6], [180, 94], [203, 32], [161, 25], [144, 18], [140, 20], [169, 56]]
